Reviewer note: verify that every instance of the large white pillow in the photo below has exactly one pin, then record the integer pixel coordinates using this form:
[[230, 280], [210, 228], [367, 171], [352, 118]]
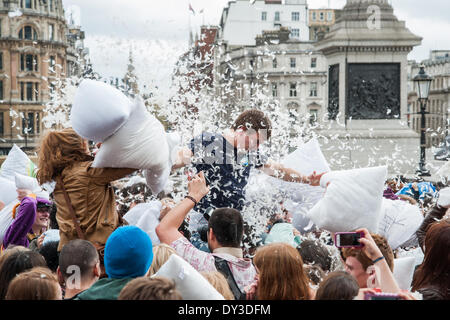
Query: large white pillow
[[27, 183], [7, 191], [6, 218], [17, 162], [98, 110], [140, 144], [146, 217], [404, 272], [399, 221], [352, 200], [191, 284]]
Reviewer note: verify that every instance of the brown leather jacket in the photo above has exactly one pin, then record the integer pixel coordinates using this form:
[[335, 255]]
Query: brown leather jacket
[[93, 200]]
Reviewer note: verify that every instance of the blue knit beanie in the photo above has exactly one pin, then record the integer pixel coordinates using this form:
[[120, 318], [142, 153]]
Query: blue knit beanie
[[128, 253]]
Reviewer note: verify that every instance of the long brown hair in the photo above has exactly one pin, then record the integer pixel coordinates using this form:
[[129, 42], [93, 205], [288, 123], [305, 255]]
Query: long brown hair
[[281, 273], [435, 269], [58, 150]]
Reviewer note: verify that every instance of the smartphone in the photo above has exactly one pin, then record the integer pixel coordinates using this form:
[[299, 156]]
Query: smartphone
[[381, 296], [348, 239]]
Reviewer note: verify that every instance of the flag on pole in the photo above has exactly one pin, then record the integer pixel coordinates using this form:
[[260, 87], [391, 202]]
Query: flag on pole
[[192, 9]]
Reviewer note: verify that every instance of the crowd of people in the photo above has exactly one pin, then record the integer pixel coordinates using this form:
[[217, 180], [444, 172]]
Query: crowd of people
[[97, 254]]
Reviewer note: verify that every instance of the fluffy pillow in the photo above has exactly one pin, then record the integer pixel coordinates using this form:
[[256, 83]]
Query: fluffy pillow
[[25, 182], [7, 191], [17, 162], [146, 217], [352, 200], [404, 272], [98, 110], [140, 144], [399, 221], [191, 284]]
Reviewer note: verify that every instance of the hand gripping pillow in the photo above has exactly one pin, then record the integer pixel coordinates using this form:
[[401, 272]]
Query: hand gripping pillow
[[98, 110], [140, 144], [146, 217], [17, 162], [399, 221], [7, 191], [352, 200], [191, 284]]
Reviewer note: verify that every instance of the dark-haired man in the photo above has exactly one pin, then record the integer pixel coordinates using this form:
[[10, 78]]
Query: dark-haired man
[[79, 267], [225, 233], [227, 159]]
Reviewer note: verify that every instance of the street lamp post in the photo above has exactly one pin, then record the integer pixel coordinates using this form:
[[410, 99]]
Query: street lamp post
[[423, 83]]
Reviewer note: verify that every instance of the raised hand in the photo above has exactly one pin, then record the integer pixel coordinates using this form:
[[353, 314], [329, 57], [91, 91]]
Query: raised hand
[[197, 187]]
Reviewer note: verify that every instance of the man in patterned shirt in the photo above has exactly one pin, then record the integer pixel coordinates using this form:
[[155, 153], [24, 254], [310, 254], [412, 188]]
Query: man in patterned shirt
[[225, 232]]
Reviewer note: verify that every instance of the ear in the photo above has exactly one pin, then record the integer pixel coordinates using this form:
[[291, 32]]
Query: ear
[[60, 276], [97, 270]]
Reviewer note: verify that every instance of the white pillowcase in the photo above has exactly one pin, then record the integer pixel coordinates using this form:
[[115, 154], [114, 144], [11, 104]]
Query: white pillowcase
[[191, 284], [25, 182], [7, 191], [17, 162], [146, 217], [352, 200], [140, 144], [98, 110], [444, 197], [399, 221], [404, 272]]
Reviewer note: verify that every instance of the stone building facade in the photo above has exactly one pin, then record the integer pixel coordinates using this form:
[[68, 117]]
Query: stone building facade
[[34, 55], [320, 21]]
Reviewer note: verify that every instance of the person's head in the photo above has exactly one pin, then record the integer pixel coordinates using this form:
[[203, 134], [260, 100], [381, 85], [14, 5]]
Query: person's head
[[218, 281], [42, 219], [128, 253], [338, 285], [12, 248], [78, 258], [315, 273], [132, 195], [145, 288], [57, 150], [314, 252], [435, 267], [16, 263], [252, 128], [49, 250], [38, 283], [357, 262], [226, 228], [161, 253], [281, 273]]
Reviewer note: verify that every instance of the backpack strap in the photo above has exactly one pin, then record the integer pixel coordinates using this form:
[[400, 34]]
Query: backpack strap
[[223, 267], [80, 232]]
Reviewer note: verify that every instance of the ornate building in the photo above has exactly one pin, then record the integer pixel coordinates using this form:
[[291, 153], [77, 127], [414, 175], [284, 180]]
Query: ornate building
[[35, 53], [320, 21]]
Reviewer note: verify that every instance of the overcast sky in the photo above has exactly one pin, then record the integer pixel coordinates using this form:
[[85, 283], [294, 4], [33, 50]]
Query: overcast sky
[[158, 31]]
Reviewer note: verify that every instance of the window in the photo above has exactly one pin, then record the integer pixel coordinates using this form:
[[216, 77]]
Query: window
[[38, 123], [330, 16], [313, 116], [274, 90], [295, 33], [50, 5], [1, 60], [27, 33], [274, 63], [264, 16], [1, 89], [28, 62], [314, 16], [277, 16], [28, 123], [25, 4], [293, 89], [51, 32], [295, 16], [52, 64], [29, 91], [2, 132], [293, 63], [29, 88], [322, 17], [313, 89], [313, 62]]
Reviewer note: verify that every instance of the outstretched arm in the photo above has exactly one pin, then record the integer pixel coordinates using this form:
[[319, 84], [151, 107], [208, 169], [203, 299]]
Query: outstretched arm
[[279, 171], [167, 230], [183, 158]]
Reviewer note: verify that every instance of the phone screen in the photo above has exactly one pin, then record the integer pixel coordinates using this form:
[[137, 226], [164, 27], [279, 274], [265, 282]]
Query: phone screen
[[382, 297], [349, 239]]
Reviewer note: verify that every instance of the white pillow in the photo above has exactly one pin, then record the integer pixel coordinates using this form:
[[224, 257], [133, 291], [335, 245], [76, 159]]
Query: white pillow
[[7, 191], [399, 221], [191, 284], [352, 200], [140, 144], [6, 218], [404, 272], [146, 217], [444, 197], [98, 110], [25, 182], [17, 162], [444, 171]]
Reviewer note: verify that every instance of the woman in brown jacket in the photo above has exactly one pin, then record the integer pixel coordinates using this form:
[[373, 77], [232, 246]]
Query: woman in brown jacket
[[64, 157]]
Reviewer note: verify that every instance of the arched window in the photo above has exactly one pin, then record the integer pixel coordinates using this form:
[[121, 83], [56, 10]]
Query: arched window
[[28, 33]]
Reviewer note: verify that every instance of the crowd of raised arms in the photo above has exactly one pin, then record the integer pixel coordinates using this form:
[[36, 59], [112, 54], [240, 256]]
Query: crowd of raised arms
[[106, 230]]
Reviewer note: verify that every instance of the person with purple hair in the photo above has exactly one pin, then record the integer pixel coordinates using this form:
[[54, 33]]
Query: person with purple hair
[[31, 218]]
